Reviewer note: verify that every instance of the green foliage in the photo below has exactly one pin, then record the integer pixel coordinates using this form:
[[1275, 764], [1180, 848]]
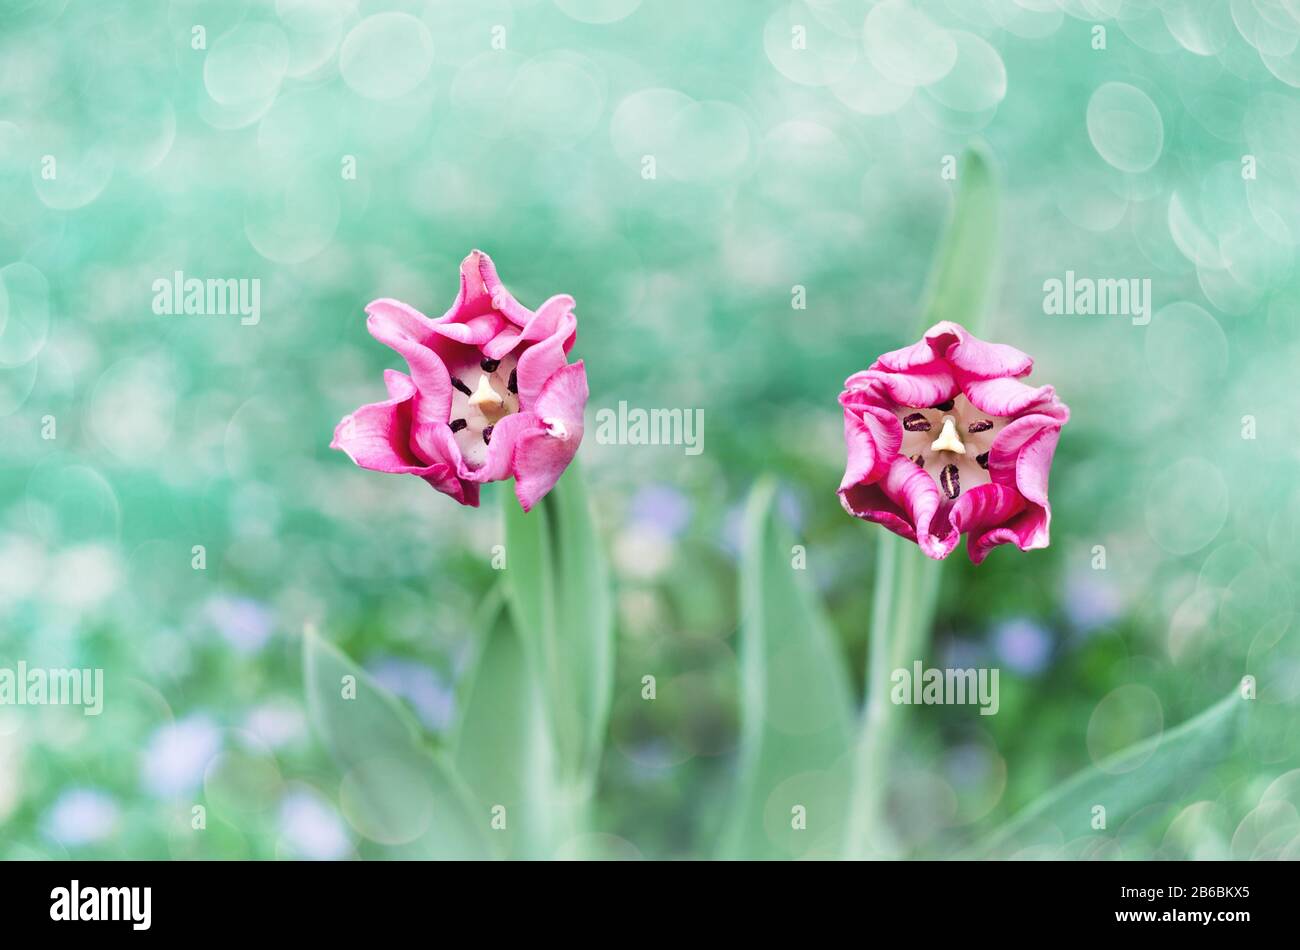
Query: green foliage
[[557, 586], [968, 261], [1146, 774], [796, 707], [532, 715], [396, 791], [501, 746]]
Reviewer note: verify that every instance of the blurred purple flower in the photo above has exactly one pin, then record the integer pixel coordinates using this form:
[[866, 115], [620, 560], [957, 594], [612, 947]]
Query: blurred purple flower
[[1091, 600], [244, 623], [1023, 645], [789, 510], [961, 654], [276, 723], [661, 506], [311, 829], [969, 764], [733, 529], [178, 754], [81, 816], [434, 701]]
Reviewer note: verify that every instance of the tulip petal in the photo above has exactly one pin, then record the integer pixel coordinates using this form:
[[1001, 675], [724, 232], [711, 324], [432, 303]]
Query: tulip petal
[[499, 297], [907, 502], [1028, 531], [905, 390], [984, 360], [481, 293], [953, 343], [377, 436], [1013, 443], [1021, 459], [981, 512], [873, 437], [536, 366], [542, 454], [1011, 397], [476, 331], [554, 318], [390, 323]]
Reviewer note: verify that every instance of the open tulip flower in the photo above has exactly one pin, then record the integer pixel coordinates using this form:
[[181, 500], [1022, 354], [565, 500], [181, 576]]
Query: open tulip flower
[[944, 439], [491, 394]]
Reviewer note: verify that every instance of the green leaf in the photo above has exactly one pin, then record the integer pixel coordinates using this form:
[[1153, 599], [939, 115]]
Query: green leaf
[[967, 262], [557, 587], [501, 746], [395, 790], [796, 711], [1135, 778], [904, 594]]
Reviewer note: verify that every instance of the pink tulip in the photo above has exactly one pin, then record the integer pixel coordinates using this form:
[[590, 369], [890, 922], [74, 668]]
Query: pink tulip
[[944, 439], [491, 393]]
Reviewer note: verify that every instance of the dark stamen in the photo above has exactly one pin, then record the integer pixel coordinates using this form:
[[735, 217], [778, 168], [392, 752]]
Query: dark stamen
[[919, 459], [982, 426], [458, 424], [983, 459], [513, 385], [461, 386], [949, 481], [945, 405], [487, 434], [916, 423], [489, 366]]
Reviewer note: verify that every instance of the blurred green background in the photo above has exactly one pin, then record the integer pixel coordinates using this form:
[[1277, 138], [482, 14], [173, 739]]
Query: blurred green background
[[794, 145]]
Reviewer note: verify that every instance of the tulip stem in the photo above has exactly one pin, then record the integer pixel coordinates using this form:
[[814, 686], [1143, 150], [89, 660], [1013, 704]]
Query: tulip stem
[[902, 611]]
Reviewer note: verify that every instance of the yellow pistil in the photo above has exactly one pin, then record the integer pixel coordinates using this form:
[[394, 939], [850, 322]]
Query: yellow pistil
[[948, 440]]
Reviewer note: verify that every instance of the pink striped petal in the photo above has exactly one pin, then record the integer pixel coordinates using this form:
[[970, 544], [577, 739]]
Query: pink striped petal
[[1011, 397], [953, 343], [1027, 530], [907, 502], [873, 437], [915, 389], [1019, 459]]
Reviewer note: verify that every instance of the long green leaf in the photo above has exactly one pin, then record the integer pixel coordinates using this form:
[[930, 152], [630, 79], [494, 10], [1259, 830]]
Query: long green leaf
[[501, 746], [557, 587], [967, 262], [796, 711], [395, 790], [1125, 783]]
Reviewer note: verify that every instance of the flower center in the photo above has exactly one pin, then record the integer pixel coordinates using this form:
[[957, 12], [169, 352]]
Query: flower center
[[957, 457], [475, 412]]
